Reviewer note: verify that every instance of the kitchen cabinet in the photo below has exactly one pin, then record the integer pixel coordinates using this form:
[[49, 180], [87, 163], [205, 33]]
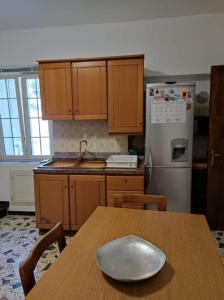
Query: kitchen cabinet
[[215, 203], [51, 200], [95, 89], [86, 193], [71, 199], [123, 185], [56, 91], [89, 87], [125, 95]]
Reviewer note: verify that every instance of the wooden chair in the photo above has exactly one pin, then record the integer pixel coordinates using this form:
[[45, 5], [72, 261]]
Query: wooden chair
[[139, 201], [27, 267]]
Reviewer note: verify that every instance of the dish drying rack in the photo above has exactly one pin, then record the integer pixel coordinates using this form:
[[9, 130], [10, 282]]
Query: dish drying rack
[[122, 161]]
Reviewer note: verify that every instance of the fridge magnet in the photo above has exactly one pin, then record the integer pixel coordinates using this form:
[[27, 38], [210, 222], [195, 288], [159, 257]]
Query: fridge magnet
[[184, 95], [188, 106]]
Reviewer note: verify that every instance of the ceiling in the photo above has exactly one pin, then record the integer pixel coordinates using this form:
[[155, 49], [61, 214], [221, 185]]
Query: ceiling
[[21, 14]]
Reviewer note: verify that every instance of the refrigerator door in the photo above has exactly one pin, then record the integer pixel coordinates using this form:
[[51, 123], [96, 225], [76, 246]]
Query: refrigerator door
[[169, 125], [174, 183]]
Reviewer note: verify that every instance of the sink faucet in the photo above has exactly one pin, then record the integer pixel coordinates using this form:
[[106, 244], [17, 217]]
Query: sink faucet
[[81, 153]]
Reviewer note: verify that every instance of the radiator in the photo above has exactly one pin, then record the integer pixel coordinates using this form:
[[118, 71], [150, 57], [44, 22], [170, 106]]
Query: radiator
[[21, 191]]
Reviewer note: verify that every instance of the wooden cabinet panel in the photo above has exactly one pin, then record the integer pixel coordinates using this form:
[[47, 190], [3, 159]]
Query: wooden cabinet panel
[[84, 95], [51, 200], [125, 95], [110, 195], [89, 90], [215, 203], [125, 183], [86, 193], [56, 92]]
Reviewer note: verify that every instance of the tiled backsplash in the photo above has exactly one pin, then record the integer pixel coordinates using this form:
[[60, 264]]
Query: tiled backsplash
[[67, 134]]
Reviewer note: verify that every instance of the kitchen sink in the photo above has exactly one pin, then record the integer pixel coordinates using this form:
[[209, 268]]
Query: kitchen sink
[[61, 164], [92, 164], [86, 164]]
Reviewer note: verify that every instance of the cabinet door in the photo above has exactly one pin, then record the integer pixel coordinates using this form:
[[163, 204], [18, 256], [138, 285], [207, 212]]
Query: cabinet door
[[86, 193], [215, 203], [89, 90], [125, 95], [51, 200], [56, 91], [110, 195], [125, 183]]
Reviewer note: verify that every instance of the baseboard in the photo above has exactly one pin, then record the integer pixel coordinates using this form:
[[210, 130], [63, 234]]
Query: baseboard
[[26, 213], [22, 207]]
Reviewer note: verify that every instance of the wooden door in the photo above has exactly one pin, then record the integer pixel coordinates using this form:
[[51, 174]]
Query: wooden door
[[125, 95], [56, 91], [51, 200], [89, 90], [215, 194], [86, 193]]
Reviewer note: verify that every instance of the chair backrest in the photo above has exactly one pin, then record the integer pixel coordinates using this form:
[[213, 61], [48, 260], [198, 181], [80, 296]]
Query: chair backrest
[[27, 267], [139, 201]]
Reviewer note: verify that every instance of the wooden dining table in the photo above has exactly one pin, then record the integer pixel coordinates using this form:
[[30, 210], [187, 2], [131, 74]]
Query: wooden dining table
[[193, 268]]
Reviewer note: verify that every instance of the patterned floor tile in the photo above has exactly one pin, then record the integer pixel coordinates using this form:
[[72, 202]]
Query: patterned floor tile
[[18, 234]]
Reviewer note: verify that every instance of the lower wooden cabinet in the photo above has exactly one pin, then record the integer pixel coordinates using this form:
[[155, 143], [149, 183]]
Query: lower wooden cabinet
[[110, 195], [71, 199], [86, 193], [51, 200], [123, 185]]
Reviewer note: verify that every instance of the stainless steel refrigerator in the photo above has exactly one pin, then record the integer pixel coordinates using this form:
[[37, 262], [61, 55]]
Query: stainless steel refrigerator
[[168, 142]]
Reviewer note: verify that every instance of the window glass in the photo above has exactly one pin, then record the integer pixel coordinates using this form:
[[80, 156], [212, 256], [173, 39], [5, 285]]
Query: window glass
[[21, 123], [8, 143], [4, 108], [3, 93], [39, 129]]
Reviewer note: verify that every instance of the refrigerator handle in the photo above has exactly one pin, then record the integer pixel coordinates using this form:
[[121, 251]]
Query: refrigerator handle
[[148, 164]]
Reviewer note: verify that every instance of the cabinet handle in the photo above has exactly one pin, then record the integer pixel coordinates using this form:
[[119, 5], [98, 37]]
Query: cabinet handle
[[70, 110], [125, 181], [72, 186]]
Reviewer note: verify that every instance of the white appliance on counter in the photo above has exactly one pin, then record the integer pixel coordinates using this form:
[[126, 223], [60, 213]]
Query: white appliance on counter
[[122, 161], [168, 142]]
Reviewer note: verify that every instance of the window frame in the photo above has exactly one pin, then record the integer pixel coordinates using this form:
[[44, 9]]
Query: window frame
[[20, 116], [27, 120], [22, 103]]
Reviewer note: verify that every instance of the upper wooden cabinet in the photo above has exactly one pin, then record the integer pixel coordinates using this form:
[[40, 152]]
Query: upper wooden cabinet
[[55, 88], [125, 95], [89, 89], [95, 89]]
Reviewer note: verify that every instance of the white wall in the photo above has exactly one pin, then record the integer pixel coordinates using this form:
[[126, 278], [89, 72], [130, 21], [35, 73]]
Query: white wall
[[175, 46], [184, 45]]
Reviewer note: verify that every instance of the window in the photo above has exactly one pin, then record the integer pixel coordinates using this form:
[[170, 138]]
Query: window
[[38, 129], [10, 120], [23, 134]]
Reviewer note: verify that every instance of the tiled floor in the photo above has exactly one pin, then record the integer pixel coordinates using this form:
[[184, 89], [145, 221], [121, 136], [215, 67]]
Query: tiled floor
[[17, 236]]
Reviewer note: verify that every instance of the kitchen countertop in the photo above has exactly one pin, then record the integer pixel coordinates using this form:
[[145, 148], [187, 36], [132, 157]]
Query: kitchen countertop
[[140, 170]]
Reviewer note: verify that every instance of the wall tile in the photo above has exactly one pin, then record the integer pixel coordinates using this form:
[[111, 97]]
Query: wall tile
[[67, 134]]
